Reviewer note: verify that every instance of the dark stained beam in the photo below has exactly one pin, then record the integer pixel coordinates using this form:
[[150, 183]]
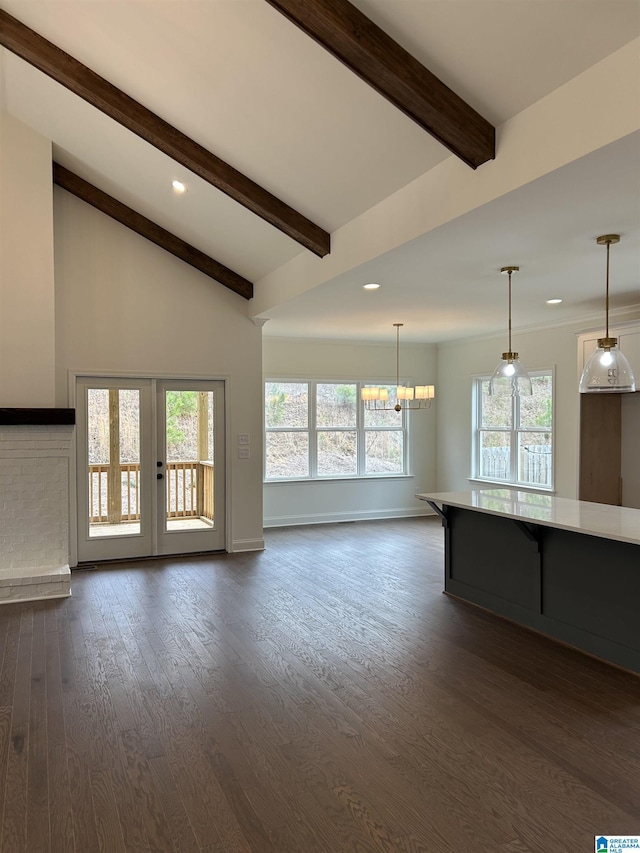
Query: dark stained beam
[[146, 228], [85, 83], [37, 417], [393, 72]]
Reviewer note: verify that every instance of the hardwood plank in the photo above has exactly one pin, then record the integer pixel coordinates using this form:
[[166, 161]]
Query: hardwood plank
[[182, 835], [61, 807], [322, 696], [14, 818], [253, 831], [9, 652], [38, 832], [177, 718], [410, 844], [5, 741], [331, 825], [108, 828], [145, 799], [81, 727], [515, 846]]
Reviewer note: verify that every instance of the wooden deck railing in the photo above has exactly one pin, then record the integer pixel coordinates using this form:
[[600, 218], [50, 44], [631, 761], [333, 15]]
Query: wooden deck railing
[[105, 504], [190, 490], [116, 499]]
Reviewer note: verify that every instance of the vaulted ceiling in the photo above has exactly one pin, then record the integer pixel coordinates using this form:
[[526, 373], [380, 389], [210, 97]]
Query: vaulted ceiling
[[240, 80]]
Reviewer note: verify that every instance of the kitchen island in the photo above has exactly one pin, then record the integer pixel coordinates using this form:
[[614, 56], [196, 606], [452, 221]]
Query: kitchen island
[[568, 569]]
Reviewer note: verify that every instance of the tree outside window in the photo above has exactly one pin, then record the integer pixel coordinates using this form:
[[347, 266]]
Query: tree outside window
[[316, 430], [513, 436]]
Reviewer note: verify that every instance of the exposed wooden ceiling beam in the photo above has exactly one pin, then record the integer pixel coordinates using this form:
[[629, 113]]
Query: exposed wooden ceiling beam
[[381, 62], [64, 69], [146, 228]]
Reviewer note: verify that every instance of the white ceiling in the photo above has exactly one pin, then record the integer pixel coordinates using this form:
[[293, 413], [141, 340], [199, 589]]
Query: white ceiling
[[448, 281], [244, 82]]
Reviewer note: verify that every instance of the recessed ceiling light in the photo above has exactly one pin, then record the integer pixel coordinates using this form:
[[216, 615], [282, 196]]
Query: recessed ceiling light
[[179, 187], [554, 301], [371, 286]]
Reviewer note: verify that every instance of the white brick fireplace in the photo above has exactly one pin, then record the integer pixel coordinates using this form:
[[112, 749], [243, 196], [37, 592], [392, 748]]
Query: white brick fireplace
[[34, 512]]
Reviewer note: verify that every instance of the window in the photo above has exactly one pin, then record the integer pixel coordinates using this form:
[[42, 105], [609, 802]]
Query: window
[[316, 430], [513, 436]]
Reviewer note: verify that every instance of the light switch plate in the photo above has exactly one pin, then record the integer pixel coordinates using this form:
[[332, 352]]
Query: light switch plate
[[243, 438], [244, 453]]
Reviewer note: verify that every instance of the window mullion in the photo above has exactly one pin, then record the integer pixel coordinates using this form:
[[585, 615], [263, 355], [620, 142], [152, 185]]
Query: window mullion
[[476, 427], [405, 441], [361, 435], [515, 415], [313, 431]]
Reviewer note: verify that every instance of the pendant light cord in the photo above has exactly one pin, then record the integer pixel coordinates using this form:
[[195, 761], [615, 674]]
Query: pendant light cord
[[606, 304], [509, 310], [397, 325]]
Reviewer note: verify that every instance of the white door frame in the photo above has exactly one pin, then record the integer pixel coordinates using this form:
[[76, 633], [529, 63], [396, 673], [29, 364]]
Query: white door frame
[[168, 541], [135, 542], [74, 375]]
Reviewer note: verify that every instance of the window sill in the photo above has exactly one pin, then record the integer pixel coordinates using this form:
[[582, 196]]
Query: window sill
[[503, 484], [355, 479]]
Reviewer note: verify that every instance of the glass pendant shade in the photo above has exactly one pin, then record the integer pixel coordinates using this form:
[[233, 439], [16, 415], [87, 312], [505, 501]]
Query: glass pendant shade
[[510, 379], [607, 370]]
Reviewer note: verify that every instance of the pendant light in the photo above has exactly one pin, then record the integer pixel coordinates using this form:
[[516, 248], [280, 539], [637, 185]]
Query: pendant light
[[510, 379], [407, 397], [608, 370]]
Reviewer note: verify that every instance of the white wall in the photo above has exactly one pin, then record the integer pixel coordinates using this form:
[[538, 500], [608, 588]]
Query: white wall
[[26, 268], [125, 306], [339, 500], [459, 361]]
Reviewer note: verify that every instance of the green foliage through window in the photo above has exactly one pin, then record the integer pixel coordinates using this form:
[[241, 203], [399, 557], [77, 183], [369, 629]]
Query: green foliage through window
[[181, 406]]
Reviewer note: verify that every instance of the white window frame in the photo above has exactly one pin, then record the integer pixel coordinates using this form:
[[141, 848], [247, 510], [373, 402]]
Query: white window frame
[[312, 431], [514, 431]]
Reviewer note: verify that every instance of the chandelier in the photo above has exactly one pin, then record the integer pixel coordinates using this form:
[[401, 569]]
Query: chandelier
[[408, 398]]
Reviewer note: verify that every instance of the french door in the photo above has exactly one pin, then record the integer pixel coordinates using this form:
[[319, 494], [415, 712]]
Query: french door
[[150, 463]]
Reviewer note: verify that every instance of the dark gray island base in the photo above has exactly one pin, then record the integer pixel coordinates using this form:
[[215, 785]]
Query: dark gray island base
[[568, 569]]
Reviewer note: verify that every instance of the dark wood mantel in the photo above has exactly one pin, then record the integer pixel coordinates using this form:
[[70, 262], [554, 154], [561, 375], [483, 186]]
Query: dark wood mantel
[[37, 417]]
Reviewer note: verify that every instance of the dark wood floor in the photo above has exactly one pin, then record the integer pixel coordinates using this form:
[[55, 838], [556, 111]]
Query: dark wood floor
[[322, 696]]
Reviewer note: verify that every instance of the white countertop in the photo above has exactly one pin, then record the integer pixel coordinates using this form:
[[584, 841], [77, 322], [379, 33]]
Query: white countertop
[[608, 522]]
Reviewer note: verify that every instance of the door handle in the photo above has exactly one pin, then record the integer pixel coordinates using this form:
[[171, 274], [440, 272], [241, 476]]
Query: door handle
[[159, 464], [158, 476]]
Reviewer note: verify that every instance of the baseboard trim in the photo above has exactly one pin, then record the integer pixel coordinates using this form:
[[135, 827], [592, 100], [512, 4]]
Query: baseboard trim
[[240, 545], [336, 517]]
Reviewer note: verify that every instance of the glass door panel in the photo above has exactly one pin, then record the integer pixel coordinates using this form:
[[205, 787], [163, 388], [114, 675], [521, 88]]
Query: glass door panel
[[190, 502], [190, 470], [150, 462], [114, 506], [114, 461]]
